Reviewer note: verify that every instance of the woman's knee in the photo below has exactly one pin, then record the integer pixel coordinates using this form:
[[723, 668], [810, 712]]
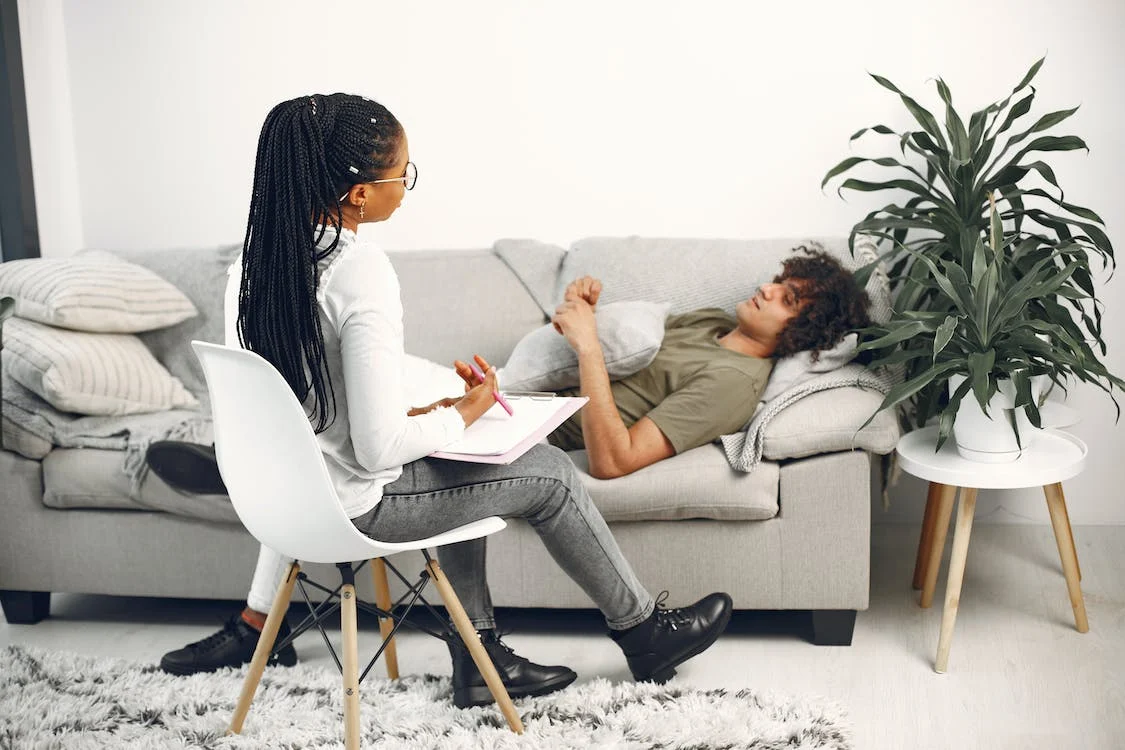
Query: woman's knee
[[552, 463]]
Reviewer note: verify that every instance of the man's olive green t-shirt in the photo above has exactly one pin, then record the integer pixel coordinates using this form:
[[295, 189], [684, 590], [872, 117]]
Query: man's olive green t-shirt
[[694, 390]]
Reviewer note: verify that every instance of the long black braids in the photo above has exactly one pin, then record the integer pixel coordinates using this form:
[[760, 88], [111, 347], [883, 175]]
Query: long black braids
[[310, 152]]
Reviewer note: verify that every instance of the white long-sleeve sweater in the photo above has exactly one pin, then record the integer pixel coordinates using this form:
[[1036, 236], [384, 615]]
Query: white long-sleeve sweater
[[361, 318]]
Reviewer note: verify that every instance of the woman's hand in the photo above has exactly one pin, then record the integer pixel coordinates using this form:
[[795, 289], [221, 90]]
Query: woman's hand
[[443, 403], [478, 398], [466, 372]]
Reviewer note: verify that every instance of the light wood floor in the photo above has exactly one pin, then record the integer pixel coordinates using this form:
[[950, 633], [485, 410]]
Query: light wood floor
[[1019, 677]]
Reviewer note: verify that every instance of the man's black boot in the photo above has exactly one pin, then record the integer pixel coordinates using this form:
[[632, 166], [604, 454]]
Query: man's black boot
[[670, 637], [232, 646], [521, 677], [188, 467]]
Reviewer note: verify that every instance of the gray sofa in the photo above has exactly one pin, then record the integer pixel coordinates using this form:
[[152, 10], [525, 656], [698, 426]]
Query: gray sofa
[[793, 534]]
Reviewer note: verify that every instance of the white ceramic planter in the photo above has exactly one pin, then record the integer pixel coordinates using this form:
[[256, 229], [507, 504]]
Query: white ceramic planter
[[989, 438]]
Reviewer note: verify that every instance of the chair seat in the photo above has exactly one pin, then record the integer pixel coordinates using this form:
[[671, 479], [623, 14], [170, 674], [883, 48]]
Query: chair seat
[[361, 547]]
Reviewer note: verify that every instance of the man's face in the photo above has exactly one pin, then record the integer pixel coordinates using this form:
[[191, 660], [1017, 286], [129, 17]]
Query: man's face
[[764, 316]]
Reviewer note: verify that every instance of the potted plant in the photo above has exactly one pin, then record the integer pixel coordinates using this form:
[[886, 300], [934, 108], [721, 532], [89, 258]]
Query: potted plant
[[981, 337], [1000, 312]]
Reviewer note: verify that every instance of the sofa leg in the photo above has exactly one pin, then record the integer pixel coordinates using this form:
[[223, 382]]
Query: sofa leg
[[833, 627], [25, 607]]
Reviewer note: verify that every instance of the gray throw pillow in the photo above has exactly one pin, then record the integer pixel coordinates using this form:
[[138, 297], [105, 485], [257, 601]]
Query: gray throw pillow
[[630, 334]]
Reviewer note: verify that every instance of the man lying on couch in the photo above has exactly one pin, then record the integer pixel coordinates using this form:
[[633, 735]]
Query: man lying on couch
[[705, 381]]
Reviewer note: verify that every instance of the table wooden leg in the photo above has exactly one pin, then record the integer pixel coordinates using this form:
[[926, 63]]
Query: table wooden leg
[[965, 509], [1070, 532], [1056, 504], [937, 546], [926, 540]]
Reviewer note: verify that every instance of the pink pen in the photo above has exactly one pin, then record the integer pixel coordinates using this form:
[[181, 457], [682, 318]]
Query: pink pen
[[495, 394]]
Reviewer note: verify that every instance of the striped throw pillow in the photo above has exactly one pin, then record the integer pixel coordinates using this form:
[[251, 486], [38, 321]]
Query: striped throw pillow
[[90, 373], [94, 291]]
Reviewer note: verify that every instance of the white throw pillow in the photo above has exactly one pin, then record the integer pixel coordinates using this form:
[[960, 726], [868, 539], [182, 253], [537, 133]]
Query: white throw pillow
[[90, 373], [94, 291], [630, 334], [798, 368]]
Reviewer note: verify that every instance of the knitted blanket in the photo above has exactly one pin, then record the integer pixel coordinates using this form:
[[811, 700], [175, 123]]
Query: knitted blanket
[[744, 449], [130, 433]]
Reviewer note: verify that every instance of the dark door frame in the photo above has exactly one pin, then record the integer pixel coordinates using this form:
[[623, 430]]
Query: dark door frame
[[19, 227]]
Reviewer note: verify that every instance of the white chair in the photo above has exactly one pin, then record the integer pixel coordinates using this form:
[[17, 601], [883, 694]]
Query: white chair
[[273, 468]]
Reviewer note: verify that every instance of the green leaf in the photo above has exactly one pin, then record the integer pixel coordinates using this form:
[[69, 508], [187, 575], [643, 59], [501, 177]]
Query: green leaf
[[880, 129], [840, 168], [900, 333], [1018, 110], [949, 414], [1052, 143], [960, 152], [944, 333], [921, 114], [1043, 123], [980, 370], [1030, 74], [1013, 173], [996, 232], [903, 391]]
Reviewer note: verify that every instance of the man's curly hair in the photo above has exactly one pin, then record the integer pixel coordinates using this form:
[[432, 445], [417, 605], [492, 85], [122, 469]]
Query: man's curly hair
[[832, 304]]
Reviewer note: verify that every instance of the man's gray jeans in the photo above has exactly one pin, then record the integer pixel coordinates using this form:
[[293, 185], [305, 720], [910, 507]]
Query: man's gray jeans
[[542, 487]]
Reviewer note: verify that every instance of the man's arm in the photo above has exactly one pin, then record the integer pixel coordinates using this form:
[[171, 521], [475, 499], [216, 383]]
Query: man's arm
[[613, 449]]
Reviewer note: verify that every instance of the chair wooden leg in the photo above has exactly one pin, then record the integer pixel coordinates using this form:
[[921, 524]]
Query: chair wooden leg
[[386, 625], [1056, 504], [937, 546], [965, 509], [265, 645], [926, 540], [476, 649], [349, 625]]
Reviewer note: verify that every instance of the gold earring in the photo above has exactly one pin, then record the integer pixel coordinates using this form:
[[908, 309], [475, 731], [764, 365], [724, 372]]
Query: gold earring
[[361, 205]]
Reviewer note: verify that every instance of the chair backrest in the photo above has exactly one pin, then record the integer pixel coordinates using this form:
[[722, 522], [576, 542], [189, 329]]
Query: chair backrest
[[271, 462]]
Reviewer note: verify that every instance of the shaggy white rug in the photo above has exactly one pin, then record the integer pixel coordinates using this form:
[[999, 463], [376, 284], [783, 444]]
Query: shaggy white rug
[[57, 700]]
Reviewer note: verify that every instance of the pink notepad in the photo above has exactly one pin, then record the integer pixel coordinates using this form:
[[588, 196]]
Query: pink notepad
[[497, 438]]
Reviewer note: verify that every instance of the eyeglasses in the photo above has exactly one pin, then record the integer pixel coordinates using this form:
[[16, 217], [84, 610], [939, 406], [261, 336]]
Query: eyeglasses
[[408, 179]]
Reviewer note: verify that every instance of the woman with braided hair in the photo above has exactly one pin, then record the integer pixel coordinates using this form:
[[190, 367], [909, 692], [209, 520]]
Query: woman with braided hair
[[322, 305]]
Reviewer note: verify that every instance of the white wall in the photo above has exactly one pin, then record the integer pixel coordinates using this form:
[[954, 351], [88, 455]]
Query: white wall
[[558, 121]]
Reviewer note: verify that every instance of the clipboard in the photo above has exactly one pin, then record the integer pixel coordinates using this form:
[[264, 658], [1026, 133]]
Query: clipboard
[[497, 438]]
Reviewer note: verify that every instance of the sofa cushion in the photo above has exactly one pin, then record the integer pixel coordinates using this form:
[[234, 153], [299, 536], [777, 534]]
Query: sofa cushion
[[630, 334], [826, 421], [698, 483], [201, 274], [96, 478], [93, 291], [90, 373]]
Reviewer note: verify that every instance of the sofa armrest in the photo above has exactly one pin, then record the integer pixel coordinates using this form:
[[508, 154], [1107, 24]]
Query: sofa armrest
[[827, 421]]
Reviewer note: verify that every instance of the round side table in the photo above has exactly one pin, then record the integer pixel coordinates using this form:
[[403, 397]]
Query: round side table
[[1054, 457]]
